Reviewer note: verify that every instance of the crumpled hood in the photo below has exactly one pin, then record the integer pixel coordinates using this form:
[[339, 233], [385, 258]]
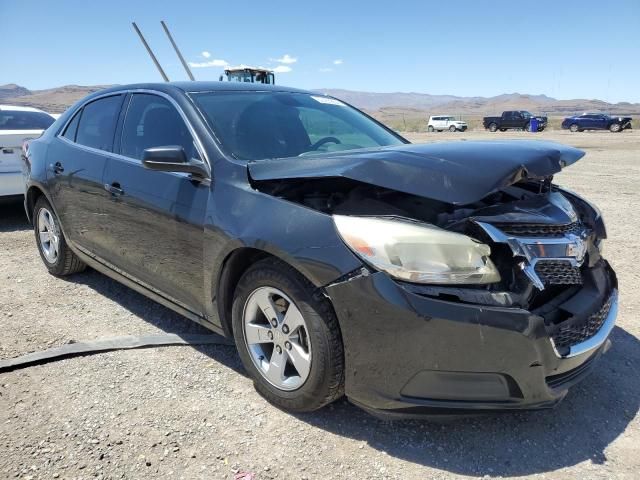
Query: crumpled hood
[[459, 172]]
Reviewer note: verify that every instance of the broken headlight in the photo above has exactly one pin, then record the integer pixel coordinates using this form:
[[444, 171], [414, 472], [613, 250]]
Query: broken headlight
[[417, 252]]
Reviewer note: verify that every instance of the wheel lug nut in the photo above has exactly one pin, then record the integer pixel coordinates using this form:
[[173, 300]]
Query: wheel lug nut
[[270, 335], [274, 322], [287, 345], [285, 328], [278, 349]]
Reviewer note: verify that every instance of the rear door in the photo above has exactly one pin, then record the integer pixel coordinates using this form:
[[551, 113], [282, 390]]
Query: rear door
[[76, 163], [155, 219]]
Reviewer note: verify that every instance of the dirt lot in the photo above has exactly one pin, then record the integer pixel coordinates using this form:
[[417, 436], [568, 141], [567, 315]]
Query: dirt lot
[[183, 412]]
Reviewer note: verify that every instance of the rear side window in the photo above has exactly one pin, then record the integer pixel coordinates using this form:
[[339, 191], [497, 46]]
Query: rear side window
[[152, 121], [72, 128], [21, 120], [98, 122]]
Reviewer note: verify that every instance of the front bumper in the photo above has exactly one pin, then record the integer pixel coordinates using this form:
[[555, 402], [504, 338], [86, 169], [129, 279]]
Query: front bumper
[[409, 355]]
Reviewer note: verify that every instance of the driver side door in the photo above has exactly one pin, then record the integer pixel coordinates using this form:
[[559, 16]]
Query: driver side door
[[157, 218]]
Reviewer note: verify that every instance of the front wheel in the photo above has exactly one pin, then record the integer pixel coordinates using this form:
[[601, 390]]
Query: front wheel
[[53, 248], [288, 340], [574, 128], [615, 127], [452, 128], [527, 127]]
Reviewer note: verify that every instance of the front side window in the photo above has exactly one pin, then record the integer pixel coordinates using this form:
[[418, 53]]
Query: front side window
[[259, 125], [24, 120], [98, 122], [152, 121]]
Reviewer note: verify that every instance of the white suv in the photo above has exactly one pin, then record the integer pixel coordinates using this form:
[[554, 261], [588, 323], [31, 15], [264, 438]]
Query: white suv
[[445, 122]]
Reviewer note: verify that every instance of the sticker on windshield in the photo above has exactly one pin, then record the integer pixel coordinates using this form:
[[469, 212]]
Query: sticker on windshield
[[328, 101]]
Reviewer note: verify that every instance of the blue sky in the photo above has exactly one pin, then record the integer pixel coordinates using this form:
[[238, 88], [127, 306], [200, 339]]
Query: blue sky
[[565, 49]]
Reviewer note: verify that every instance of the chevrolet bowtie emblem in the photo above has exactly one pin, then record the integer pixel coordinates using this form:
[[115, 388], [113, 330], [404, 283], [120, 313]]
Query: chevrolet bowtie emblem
[[577, 249]]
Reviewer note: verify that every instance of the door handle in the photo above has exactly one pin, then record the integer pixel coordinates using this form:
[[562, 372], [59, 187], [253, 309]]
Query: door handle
[[114, 189], [58, 168]]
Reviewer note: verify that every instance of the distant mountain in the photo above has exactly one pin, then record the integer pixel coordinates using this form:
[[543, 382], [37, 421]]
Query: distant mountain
[[52, 100], [56, 100], [449, 104], [12, 90]]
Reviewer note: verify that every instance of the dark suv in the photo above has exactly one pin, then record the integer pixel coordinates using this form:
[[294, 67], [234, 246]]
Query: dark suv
[[341, 258]]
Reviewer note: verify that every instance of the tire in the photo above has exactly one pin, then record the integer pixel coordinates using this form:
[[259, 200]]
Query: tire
[[452, 128], [430, 129], [574, 128], [493, 127], [503, 129], [55, 253], [615, 127], [315, 337], [527, 127]]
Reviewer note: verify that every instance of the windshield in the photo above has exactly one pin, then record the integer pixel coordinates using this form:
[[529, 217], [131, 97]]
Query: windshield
[[24, 120], [526, 115], [260, 125]]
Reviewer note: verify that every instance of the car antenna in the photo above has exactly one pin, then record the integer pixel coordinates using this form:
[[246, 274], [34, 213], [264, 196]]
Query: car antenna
[[175, 47], [153, 57]]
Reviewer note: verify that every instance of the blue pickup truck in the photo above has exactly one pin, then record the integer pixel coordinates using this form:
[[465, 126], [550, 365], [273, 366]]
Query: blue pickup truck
[[596, 121]]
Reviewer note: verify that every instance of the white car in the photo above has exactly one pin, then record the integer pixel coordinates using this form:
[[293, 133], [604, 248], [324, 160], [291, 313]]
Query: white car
[[17, 124], [445, 122]]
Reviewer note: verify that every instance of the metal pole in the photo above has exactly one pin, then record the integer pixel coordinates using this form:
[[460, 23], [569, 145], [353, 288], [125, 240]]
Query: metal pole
[[175, 47], [153, 57]]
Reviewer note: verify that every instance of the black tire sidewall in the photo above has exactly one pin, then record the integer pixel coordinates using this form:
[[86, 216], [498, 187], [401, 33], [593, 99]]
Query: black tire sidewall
[[314, 392]]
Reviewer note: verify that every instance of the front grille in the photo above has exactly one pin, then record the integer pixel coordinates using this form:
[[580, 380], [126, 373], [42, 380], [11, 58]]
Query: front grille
[[540, 230], [566, 336], [558, 272]]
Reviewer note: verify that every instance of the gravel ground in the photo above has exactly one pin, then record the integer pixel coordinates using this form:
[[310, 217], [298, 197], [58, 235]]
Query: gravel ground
[[184, 412]]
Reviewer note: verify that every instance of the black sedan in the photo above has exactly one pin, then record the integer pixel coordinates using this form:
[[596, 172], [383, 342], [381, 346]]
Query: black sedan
[[596, 121], [341, 258]]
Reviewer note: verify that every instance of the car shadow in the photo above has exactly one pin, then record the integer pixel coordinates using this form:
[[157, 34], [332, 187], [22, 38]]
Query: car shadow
[[12, 216], [580, 429], [156, 314]]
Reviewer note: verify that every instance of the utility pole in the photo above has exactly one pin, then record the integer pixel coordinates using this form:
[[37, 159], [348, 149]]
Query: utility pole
[[153, 57]]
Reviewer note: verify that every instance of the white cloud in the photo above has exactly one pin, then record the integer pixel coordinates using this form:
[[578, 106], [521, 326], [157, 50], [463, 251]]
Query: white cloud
[[287, 59], [338, 62], [325, 70], [206, 54], [210, 63], [282, 69]]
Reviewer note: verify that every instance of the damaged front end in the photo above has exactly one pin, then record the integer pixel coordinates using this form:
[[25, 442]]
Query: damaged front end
[[499, 244]]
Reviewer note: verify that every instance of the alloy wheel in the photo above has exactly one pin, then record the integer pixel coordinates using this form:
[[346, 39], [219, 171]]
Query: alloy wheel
[[277, 338], [49, 235]]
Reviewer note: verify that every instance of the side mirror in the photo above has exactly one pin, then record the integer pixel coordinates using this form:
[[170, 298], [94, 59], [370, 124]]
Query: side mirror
[[172, 159]]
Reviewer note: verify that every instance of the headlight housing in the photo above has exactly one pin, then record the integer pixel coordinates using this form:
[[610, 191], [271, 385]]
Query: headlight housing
[[417, 252]]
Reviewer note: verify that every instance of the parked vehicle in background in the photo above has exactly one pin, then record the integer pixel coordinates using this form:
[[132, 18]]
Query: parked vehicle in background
[[17, 124], [514, 119], [596, 121], [341, 258], [445, 122]]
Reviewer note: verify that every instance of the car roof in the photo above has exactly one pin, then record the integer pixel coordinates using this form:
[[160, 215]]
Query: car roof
[[206, 86], [17, 108]]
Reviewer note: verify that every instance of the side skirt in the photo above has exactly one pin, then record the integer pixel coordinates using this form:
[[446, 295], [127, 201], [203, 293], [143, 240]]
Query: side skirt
[[102, 268]]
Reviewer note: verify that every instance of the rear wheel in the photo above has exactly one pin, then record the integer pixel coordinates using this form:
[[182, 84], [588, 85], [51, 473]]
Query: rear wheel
[[452, 128], [615, 127], [493, 127], [53, 248], [288, 340], [430, 128]]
